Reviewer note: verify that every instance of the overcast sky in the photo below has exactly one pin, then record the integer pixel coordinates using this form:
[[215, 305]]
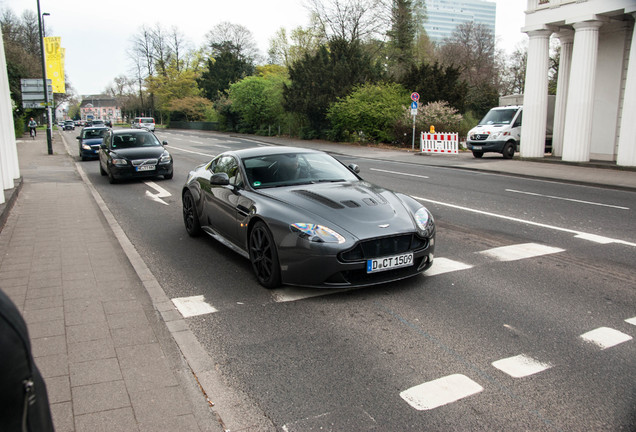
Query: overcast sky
[[96, 36]]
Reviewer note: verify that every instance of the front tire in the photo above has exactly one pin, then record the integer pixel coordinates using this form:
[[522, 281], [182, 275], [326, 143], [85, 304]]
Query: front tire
[[478, 154], [508, 150], [190, 216], [264, 256], [101, 169]]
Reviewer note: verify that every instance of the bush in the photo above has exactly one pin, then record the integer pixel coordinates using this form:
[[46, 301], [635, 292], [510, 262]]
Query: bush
[[438, 114], [368, 114]]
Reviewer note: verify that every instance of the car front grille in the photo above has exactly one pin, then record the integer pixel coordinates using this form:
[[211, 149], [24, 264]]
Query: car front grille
[[383, 246], [479, 137], [139, 162]]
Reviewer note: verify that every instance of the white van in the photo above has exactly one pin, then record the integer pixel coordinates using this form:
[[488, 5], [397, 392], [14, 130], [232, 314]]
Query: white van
[[499, 131], [143, 123]]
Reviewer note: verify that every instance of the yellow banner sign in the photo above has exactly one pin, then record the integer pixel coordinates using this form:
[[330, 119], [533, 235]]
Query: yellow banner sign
[[54, 55]]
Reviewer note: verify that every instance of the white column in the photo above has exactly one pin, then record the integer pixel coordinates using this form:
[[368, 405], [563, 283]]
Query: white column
[[535, 95], [8, 154], [626, 155], [578, 118], [566, 37]]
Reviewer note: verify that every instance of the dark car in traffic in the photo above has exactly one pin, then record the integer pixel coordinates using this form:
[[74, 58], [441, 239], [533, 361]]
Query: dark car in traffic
[[304, 218], [90, 140], [127, 154]]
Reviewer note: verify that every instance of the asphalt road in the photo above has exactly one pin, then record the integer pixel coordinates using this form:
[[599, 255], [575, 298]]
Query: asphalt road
[[526, 321]]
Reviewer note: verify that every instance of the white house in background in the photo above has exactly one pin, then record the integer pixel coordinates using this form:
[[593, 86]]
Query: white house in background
[[595, 113]]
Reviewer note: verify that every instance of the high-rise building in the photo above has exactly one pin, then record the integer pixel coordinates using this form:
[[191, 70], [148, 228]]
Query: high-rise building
[[443, 16]]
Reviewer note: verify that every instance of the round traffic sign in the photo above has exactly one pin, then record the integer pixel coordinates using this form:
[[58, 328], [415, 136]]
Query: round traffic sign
[[415, 96]]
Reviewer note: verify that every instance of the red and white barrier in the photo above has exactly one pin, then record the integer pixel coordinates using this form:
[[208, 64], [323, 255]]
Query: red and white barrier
[[440, 142]]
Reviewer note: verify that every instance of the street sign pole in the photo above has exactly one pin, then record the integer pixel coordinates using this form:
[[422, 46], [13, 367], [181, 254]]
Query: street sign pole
[[414, 97], [49, 120]]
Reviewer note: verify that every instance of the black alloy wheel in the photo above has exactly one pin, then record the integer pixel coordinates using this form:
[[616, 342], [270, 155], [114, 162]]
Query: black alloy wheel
[[264, 256], [190, 217], [111, 177]]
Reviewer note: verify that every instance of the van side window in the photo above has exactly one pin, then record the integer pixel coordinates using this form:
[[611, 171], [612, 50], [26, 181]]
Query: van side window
[[518, 120]]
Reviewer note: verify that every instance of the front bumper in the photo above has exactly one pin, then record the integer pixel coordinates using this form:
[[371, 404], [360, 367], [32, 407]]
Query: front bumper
[[308, 267], [485, 146], [128, 171]]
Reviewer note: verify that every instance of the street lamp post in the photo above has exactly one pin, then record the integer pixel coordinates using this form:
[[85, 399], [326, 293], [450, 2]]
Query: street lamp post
[[49, 125]]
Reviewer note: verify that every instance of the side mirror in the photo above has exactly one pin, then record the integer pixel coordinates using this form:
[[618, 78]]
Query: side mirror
[[220, 179], [78, 137], [355, 168], [165, 143], [102, 146]]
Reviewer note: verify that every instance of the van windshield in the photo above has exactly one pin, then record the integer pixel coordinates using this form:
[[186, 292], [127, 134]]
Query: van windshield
[[499, 116]]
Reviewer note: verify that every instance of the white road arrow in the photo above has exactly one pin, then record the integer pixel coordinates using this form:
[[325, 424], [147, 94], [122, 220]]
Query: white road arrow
[[161, 193]]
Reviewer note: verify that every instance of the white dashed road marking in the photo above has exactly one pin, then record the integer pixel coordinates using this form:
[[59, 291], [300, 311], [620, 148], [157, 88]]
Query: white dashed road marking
[[400, 173], [520, 366], [631, 321], [605, 337], [193, 306], [520, 251], [568, 199], [440, 392], [445, 265]]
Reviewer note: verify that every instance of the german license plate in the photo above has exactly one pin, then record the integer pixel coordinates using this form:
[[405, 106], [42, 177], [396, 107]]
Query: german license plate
[[476, 147], [146, 168], [389, 263]]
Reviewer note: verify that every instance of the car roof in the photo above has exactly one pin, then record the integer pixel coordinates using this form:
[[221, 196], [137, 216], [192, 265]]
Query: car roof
[[266, 151], [95, 128], [130, 131]]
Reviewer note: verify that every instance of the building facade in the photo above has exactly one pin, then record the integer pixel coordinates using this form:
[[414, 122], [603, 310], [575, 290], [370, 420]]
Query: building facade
[[443, 16], [595, 110], [100, 107]]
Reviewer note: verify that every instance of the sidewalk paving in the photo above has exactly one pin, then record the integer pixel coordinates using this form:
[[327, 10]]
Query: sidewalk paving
[[108, 359], [114, 352]]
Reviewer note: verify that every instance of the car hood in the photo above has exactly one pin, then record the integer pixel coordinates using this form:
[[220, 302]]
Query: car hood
[[92, 141], [361, 208], [140, 152]]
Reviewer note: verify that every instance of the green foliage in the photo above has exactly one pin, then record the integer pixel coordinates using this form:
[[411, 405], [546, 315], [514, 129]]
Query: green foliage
[[369, 113], [318, 80], [226, 68], [189, 108], [438, 114], [258, 101], [436, 82]]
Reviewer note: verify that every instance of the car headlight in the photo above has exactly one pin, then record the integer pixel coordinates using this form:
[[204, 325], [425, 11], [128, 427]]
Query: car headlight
[[317, 233], [86, 147], [424, 221], [165, 157], [117, 161]]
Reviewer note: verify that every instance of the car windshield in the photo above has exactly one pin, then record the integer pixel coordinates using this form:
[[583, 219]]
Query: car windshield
[[130, 140], [499, 116], [93, 133], [294, 169]]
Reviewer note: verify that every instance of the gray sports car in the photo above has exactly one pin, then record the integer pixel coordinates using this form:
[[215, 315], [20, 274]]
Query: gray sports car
[[304, 218]]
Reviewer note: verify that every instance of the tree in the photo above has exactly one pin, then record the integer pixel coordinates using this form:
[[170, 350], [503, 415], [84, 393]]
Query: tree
[[190, 108], [319, 80], [405, 27], [349, 20], [226, 68], [284, 51], [236, 38], [436, 82], [471, 48]]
